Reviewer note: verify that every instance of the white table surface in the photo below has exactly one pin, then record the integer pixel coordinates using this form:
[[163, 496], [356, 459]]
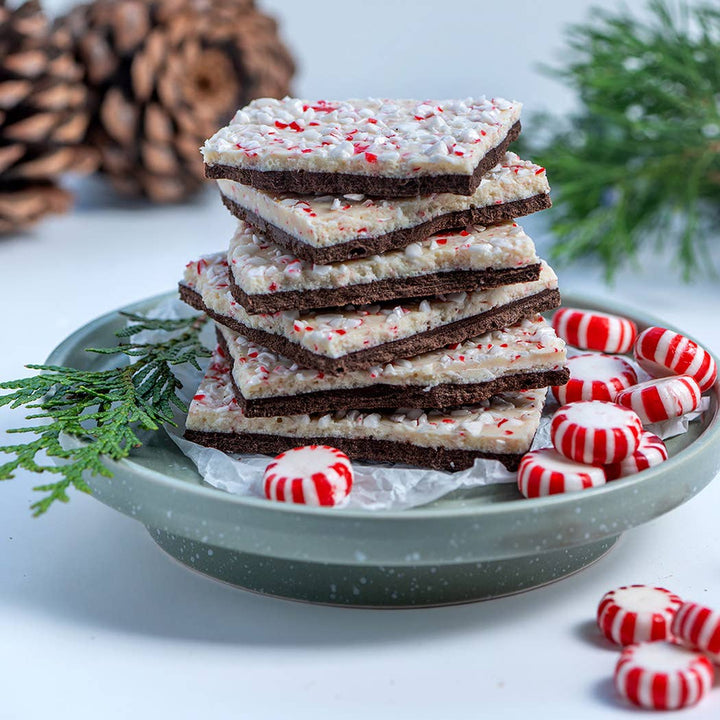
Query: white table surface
[[96, 622]]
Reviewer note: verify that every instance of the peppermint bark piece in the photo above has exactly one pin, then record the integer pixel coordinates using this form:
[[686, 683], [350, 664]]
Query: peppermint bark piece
[[264, 278], [329, 228], [501, 428], [379, 147], [527, 355], [363, 336]]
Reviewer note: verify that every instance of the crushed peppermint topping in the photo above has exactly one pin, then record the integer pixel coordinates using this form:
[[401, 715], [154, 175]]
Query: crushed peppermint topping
[[370, 136]]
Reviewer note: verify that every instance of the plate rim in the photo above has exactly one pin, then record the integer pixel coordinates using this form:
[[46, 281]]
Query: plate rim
[[710, 435]]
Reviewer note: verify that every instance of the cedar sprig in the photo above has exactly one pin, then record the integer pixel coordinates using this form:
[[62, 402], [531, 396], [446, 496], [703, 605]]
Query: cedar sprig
[[639, 163], [106, 409]]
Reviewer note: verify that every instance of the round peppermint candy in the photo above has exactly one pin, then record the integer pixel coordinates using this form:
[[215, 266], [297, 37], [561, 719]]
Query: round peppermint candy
[[637, 613], [595, 433], [698, 627], [662, 352], [546, 472], [662, 399], [591, 330], [662, 676], [651, 451], [594, 376], [309, 475]]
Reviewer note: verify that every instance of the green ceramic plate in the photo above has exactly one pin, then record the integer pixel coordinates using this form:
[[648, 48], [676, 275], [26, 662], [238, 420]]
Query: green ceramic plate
[[471, 545]]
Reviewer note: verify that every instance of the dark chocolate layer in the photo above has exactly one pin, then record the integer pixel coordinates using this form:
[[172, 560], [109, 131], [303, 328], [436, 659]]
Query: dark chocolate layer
[[494, 319], [362, 247], [307, 182], [437, 458], [384, 290]]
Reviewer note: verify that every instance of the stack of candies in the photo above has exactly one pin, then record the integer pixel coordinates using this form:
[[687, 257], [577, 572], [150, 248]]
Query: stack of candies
[[378, 295], [600, 432], [669, 646]]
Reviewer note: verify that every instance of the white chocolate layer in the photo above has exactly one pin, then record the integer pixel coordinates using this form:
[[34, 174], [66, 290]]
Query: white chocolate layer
[[260, 267], [529, 346], [355, 328], [389, 138], [504, 424], [327, 220]]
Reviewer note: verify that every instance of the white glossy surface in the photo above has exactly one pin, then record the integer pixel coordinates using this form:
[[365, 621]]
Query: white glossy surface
[[94, 618]]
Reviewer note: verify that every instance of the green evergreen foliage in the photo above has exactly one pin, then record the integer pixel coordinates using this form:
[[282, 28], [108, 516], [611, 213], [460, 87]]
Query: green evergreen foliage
[[106, 409], [639, 163]]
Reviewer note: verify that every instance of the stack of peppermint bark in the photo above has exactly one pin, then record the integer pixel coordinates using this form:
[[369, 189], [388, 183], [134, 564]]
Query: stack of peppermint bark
[[377, 295]]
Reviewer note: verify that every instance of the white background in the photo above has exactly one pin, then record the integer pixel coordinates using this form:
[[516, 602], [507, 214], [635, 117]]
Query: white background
[[96, 622]]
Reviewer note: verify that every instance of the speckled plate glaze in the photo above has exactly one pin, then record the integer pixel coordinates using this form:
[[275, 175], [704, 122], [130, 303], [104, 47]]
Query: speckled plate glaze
[[471, 545]]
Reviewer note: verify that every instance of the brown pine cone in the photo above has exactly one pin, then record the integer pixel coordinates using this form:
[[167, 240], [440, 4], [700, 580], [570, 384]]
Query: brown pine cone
[[166, 74], [43, 116]]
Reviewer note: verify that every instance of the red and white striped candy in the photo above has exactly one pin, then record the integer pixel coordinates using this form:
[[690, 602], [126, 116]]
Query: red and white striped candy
[[546, 472], [590, 330], [662, 352], [662, 676], [698, 627], [662, 399], [650, 452], [310, 475], [637, 613], [595, 433], [594, 376]]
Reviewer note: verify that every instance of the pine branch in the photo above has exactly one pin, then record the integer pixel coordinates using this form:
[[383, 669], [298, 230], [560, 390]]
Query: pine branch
[[640, 162], [106, 409]]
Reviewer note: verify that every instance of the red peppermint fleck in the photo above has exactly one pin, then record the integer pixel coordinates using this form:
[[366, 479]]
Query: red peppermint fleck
[[449, 421], [280, 125], [273, 287], [320, 375], [464, 233], [307, 150], [199, 397], [540, 170], [459, 153], [454, 347], [307, 327], [314, 124], [509, 432], [323, 106], [441, 241], [201, 265], [361, 148], [502, 422], [483, 133], [362, 230], [372, 121], [294, 126], [371, 157], [504, 345], [296, 327], [461, 358], [341, 332], [253, 354]]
